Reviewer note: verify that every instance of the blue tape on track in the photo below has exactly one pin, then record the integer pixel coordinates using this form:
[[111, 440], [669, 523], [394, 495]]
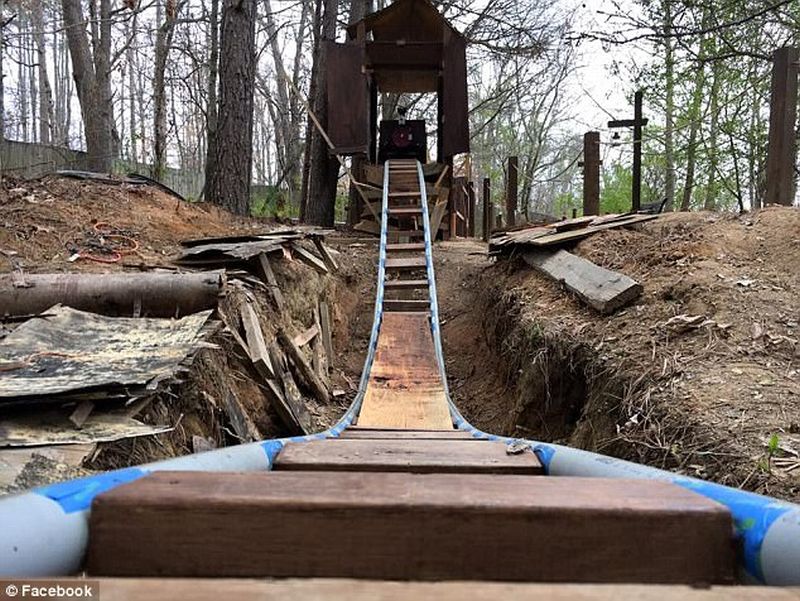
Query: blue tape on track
[[752, 514], [77, 495]]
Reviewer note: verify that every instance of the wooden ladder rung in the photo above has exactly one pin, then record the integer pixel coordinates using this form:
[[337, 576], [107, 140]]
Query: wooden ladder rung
[[406, 306], [409, 246], [417, 210], [406, 284], [406, 264]]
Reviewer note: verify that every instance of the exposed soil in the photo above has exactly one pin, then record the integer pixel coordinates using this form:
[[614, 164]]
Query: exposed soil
[[46, 221], [700, 375], [716, 398]]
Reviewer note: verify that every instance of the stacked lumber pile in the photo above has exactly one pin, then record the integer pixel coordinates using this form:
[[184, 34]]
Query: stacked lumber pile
[[602, 289], [235, 251], [561, 232], [82, 355], [71, 379], [287, 364]]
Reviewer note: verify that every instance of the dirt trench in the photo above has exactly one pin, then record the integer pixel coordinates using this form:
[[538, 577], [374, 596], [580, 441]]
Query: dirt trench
[[717, 400]]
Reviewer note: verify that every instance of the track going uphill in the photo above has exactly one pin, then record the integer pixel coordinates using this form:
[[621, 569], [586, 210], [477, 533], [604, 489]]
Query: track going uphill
[[402, 488]]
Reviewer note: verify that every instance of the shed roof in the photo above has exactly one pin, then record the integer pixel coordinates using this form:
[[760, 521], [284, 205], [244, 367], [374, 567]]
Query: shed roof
[[409, 20]]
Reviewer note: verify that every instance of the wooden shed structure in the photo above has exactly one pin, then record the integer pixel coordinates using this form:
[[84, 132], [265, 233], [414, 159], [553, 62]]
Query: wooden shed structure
[[408, 47]]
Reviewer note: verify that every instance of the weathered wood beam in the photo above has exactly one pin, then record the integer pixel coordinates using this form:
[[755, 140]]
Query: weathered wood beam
[[304, 371], [602, 289], [271, 281]]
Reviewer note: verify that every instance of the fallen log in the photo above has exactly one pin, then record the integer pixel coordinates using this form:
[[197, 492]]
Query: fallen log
[[602, 289], [112, 294]]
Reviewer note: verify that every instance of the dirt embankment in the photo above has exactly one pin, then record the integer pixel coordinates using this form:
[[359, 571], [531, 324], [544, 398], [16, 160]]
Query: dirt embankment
[[700, 376], [47, 222]]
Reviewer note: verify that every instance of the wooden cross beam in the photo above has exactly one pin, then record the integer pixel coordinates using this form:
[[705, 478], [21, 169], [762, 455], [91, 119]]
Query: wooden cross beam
[[637, 123]]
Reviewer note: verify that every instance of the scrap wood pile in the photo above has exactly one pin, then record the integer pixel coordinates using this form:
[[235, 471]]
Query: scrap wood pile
[[560, 233], [539, 245], [82, 355]]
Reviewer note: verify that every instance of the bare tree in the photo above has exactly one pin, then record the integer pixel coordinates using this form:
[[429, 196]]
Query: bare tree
[[91, 69], [229, 185], [320, 201], [163, 44]]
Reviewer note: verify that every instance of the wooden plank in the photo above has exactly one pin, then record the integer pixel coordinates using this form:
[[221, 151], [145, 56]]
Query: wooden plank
[[406, 284], [403, 526], [405, 247], [293, 398], [405, 388], [326, 255], [243, 427], [81, 413], [405, 210], [317, 360], [327, 330], [564, 237], [394, 304], [309, 258], [304, 371], [572, 224], [437, 215], [242, 589], [405, 264], [271, 281], [304, 338], [420, 456], [289, 407], [354, 432], [256, 346], [407, 233], [602, 289]]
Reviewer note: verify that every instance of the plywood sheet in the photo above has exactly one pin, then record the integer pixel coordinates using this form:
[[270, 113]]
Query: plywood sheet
[[405, 388], [70, 351]]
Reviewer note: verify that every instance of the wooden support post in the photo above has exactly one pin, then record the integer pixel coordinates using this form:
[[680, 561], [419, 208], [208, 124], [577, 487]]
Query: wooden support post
[[472, 207], [636, 193], [511, 191], [487, 209], [782, 117], [591, 173], [637, 123]]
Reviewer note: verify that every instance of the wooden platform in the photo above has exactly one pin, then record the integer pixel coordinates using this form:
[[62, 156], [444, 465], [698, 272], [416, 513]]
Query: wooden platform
[[411, 455], [315, 589], [410, 526], [389, 434], [405, 389]]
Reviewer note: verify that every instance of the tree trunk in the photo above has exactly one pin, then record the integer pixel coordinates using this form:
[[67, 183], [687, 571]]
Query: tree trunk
[[694, 127], [92, 81], [45, 91], [2, 71], [358, 10], [211, 106], [163, 43], [312, 93], [669, 128], [230, 183], [713, 155], [324, 169]]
